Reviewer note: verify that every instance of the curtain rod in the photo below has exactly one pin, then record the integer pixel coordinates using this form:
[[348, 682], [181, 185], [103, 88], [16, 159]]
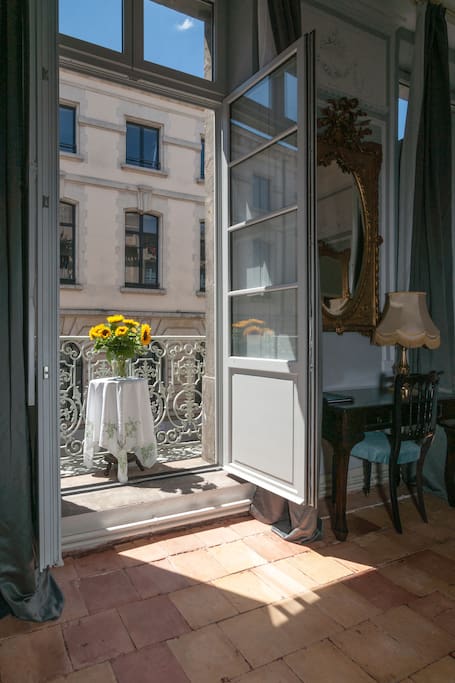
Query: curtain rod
[[450, 13]]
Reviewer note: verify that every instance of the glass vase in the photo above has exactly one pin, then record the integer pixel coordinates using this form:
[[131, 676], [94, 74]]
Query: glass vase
[[121, 367]]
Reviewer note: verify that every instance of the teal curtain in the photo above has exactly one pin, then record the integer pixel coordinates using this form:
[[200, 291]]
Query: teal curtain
[[24, 591], [431, 250]]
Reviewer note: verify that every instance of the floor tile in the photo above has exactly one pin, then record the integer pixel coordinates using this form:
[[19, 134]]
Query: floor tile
[[319, 568], [351, 555], [381, 547], [276, 672], [158, 577], [182, 543], [202, 604], [74, 606], [413, 580], [103, 591], [432, 605], [379, 590], [345, 606], [206, 656], [382, 656], [236, 556], [97, 563], [198, 565], [324, 662], [100, 673], [246, 591], [442, 671], [67, 572], [152, 621], [284, 578], [145, 552], [216, 536], [34, 657], [154, 664], [271, 632], [434, 564], [271, 547], [96, 638], [414, 630], [248, 527]]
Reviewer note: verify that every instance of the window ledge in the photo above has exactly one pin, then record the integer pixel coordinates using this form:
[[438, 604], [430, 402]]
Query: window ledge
[[142, 290], [71, 156], [143, 169], [201, 292], [67, 285]]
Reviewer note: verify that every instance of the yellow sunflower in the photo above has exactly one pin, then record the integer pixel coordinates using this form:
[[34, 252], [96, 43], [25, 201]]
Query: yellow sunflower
[[130, 321], [115, 318], [104, 332], [121, 330], [245, 323], [95, 331], [252, 329], [146, 336]]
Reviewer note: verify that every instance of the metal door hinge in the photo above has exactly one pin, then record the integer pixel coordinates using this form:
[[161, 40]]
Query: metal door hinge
[[45, 372], [45, 201]]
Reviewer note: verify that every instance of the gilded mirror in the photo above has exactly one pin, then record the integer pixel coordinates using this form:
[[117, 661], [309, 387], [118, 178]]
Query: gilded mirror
[[347, 219]]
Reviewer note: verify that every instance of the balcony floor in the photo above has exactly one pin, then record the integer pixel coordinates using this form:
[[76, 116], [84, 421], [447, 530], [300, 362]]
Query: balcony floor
[[232, 602]]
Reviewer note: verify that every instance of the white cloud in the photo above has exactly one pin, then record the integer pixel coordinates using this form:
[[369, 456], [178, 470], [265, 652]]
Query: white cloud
[[186, 24]]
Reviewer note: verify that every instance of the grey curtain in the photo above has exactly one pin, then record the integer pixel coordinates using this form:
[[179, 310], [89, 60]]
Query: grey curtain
[[431, 250], [286, 22], [24, 592]]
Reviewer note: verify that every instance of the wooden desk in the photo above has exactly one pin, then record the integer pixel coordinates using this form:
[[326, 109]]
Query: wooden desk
[[344, 424]]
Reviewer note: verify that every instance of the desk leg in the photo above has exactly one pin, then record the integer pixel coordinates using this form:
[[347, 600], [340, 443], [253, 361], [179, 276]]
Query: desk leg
[[449, 473], [341, 459]]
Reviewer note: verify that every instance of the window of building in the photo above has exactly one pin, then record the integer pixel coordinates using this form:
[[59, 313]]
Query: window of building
[[99, 23], [202, 161], [142, 146], [67, 129], [141, 250], [67, 229], [261, 193], [202, 256]]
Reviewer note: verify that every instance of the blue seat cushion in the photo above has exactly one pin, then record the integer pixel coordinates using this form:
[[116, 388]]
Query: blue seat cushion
[[375, 447]]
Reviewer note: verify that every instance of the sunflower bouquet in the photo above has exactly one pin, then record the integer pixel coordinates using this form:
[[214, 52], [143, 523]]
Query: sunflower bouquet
[[121, 338]]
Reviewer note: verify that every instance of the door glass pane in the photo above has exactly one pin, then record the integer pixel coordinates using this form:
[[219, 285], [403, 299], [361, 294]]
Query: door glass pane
[[133, 143], [149, 223], [179, 40], [67, 129], [265, 325], [278, 164], [266, 110], [264, 254], [132, 221], [99, 22], [150, 259], [151, 159]]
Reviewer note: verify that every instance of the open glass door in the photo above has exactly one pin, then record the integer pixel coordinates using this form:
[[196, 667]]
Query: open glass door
[[270, 378]]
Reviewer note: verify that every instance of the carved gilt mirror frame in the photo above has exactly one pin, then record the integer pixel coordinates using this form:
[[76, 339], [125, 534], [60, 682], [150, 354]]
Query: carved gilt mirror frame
[[342, 143]]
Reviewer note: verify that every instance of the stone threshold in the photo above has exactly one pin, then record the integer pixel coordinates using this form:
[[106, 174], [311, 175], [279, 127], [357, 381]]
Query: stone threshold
[[102, 517]]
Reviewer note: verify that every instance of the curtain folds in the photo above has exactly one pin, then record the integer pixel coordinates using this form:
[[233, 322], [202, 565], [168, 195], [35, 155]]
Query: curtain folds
[[431, 251], [24, 592], [408, 157], [286, 22]]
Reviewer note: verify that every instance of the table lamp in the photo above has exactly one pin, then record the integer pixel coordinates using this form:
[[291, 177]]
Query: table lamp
[[406, 322]]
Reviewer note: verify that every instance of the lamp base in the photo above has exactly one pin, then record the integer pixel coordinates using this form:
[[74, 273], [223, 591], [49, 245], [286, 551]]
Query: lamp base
[[402, 366]]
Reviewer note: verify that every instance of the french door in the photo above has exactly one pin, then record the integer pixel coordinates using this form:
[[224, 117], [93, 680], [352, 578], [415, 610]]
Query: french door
[[268, 268]]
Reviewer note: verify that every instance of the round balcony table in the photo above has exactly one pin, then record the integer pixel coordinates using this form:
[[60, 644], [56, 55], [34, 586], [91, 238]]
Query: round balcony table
[[119, 418]]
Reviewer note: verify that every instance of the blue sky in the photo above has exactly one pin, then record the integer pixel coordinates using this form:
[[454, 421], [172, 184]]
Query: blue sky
[[171, 38], [402, 110]]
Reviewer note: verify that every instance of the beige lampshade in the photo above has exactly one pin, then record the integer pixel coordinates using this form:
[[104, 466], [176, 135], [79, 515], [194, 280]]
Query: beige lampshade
[[406, 321]]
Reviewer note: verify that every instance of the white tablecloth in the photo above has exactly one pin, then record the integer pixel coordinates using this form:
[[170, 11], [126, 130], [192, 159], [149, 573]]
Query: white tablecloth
[[119, 418]]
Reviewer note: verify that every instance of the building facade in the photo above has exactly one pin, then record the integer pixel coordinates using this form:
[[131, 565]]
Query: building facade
[[132, 207]]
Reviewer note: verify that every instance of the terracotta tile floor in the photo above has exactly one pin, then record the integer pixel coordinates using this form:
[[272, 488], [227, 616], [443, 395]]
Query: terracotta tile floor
[[232, 602]]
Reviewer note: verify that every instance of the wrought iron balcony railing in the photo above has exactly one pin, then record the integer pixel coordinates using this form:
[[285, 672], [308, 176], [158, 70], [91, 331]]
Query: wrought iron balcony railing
[[173, 368]]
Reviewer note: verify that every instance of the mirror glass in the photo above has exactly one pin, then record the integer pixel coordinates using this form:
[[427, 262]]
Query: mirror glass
[[341, 236]]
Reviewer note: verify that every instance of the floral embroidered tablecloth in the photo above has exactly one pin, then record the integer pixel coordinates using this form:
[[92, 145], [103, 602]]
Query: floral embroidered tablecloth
[[119, 418]]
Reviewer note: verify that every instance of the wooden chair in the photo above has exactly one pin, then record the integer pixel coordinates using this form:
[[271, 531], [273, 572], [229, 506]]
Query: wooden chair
[[408, 440]]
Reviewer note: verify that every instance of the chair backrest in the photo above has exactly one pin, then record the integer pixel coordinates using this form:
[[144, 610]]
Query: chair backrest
[[415, 406]]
